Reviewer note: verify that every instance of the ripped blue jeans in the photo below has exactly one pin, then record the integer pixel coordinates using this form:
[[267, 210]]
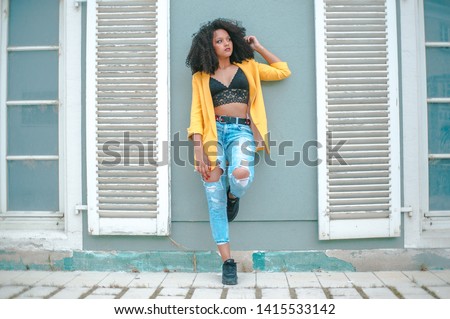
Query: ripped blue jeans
[[235, 149]]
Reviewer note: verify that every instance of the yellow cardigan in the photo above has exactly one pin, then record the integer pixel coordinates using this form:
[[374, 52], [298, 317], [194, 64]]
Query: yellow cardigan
[[202, 109]]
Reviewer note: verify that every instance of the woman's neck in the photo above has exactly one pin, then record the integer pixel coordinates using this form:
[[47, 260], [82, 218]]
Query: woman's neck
[[224, 63]]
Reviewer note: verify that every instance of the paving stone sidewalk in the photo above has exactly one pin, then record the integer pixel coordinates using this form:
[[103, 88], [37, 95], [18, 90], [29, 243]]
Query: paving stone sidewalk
[[433, 284]]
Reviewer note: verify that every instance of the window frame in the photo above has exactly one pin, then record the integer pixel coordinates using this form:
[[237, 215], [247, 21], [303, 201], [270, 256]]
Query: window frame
[[40, 229], [415, 128]]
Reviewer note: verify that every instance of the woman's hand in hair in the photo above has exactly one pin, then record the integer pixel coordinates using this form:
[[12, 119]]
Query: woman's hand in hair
[[256, 46], [253, 42]]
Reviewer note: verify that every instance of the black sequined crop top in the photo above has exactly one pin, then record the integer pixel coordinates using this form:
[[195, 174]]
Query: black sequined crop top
[[236, 92]]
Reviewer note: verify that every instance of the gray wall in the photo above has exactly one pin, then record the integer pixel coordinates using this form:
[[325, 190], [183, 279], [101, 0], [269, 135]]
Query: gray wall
[[280, 210]]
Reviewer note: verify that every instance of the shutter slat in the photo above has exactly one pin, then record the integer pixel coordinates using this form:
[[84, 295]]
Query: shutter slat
[[127, 8], [363, 147], [358, 128], [358, 114], [127, 193], [124, 59], [360, 35], [129, 213], [127, 207], [127, 113], [359, 86], [359, 161], [345, 74], [364, 27], [361, 194], [106, 135], [364, 213], [356, 188], [126, 173], [141, 158], [356, 168], [127, 126], [358, 174], [118, 34], [126, 28], [125, 101], [358, 181], [120, 187], [119, 48], [125, 3], [358, 107], [335, 136]]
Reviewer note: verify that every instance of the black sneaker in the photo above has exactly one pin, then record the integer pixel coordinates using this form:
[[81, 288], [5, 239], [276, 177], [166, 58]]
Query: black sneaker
[[232, 207], [229, 272]]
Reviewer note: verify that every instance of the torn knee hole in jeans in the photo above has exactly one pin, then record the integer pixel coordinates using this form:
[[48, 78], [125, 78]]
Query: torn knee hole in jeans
[[243, 181], [242, 173]]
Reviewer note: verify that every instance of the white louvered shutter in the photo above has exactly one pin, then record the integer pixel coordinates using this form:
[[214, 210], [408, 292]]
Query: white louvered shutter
[[358, 119], [127, 117]]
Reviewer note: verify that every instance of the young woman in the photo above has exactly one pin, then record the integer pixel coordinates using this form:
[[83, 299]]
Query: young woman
[[228, 120]]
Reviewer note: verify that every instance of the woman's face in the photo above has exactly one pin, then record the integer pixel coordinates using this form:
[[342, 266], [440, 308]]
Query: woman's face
[[223, 46]]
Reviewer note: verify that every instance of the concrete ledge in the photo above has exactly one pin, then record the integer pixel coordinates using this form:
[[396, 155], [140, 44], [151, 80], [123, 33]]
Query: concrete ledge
[[167, 261], [298, 261], [208, 261]]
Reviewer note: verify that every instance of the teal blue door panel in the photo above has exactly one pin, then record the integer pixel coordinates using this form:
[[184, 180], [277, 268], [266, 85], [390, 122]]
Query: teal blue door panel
[[33, 22], [439, 176], [32, 130], [33, 75], [437, 20], [33, 186], [438, 72]]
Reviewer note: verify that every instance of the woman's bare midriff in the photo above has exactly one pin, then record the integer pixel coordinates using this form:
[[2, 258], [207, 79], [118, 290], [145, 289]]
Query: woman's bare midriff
[[232, 109]]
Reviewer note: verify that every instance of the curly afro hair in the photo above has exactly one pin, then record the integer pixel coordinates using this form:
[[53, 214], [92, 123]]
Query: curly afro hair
[[202, 56]]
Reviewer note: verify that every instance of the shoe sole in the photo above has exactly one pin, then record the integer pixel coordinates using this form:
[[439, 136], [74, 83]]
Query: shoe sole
[[231, 217]]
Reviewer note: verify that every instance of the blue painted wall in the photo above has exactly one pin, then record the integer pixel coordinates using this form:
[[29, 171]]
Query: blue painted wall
[[280, 211]]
